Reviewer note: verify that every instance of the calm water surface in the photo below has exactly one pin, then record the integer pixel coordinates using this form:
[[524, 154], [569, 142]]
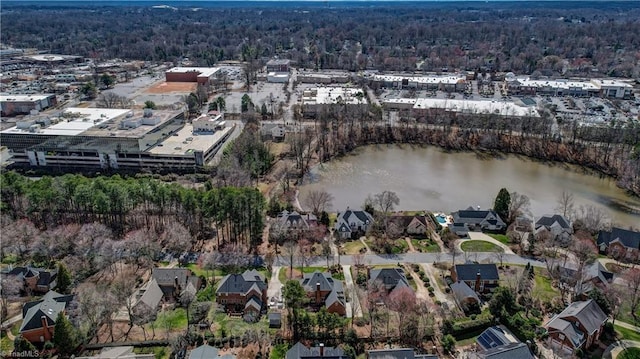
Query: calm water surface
[[427, 178]]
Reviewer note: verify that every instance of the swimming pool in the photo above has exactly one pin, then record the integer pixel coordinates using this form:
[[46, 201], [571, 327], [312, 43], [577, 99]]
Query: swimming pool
[[441, 219]]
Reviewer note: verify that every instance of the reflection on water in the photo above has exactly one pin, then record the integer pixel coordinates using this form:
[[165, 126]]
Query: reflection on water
[[429, 178]]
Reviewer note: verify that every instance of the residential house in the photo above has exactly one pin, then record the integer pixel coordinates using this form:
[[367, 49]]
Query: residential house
[[350, 224], [294, 221], [323, 290], [464, 296], [35, 280], [244, 294], [273, 131], [208, 352], [620, 243], [397, 353], [592, 276], [578, 326], [558, 227], [476, 220], [508, 351], [125, 352], [482, 278], [300, 351], [417, 225], [173, 281], [148, 297], [523, 224], [39, 317], [391, 279]]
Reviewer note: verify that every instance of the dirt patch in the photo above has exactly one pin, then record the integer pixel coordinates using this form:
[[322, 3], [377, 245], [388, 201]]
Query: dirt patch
[[168, 87]]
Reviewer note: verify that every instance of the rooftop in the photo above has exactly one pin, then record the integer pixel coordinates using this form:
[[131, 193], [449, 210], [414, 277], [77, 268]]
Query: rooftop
[[203, 71], [503, 108], [332, 95], [23, 98], [426, 79], [186, 141]]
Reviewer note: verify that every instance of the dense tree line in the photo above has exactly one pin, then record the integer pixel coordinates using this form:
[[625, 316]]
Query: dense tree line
[[128, 204], [580, 39]]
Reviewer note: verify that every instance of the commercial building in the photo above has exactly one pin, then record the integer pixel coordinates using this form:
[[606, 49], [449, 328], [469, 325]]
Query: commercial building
[[13, 105], [451, 83], [426, 106], [319, 98], [325, 77], [609, 88], [112, 139], [279, 65], [202, 75]]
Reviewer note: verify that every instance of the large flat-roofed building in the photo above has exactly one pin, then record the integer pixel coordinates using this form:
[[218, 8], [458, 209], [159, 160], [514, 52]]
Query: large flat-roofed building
[[202, 75], [566, 87], [112, 139], [422, 106], [316, 99], [450, 83], [13, 105]]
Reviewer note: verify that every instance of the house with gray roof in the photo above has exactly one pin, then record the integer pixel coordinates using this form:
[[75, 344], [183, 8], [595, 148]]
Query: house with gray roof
[[397, 353], [508, 351], [148, 297], [389, 278], [559, 227], [39, 317], [300, 351], [273, 131], [620, 243], [291, 221], [592, 276], [350, 224], [578, 326], [173, 281], [323, 290], [464, 296], [208, 352], [244, 294], [476, 220], [482, 278]]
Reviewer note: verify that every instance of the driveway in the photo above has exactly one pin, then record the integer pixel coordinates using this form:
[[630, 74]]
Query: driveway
[[352, 310], [430, 271], [618, 347], [275, 286]]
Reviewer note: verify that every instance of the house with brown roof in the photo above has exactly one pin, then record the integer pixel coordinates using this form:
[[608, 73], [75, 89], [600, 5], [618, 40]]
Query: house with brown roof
[[244, 294], [324, 291], [578, 326], [417, 225]]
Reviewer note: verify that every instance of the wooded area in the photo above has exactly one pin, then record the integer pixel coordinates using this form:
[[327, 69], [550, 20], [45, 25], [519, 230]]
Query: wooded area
[[586, 38]]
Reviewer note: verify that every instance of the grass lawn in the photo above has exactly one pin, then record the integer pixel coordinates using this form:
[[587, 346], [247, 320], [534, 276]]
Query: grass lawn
[[278, 351], [479, 246], [628, 334], [6, 345], [158, 352], [500, 238], [236, 325], [353, 247], [282, 275], [172, 320], [425, 245], [543, 288], [631, 353]]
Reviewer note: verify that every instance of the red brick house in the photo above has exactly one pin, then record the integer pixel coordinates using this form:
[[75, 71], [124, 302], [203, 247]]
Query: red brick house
[[323, 290], [578, 326], [620, 243], [39, 317], [244, 294]]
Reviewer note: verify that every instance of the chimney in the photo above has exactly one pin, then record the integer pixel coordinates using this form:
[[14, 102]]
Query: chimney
[[318, 296], [477, 287], [45, 328], [322, 349]]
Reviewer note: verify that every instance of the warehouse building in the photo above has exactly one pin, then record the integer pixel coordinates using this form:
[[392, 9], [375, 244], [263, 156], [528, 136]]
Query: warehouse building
[[202, 75], [608, 88], [320, 98]]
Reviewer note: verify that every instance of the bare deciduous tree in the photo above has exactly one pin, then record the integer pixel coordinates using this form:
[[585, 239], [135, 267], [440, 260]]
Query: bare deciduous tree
[[632, 278], [318, 201], [518, 206], [385, 202], [112, 100], [566, 204]]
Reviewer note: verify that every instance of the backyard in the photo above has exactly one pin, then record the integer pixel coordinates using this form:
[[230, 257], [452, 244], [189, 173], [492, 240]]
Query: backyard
[[425, 245], [479, 246]]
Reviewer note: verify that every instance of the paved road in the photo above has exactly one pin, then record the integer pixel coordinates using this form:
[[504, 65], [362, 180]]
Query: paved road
[[351, 289], [275, 286], [379, 259], [618, 347]]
